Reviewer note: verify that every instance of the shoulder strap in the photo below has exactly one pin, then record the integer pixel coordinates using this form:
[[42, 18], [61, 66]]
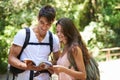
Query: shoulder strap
[[51, 41], [72, 61], [26, 41], [92, 69]]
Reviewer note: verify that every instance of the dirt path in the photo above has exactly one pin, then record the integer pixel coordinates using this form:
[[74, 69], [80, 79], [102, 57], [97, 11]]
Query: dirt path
[[109, 70]]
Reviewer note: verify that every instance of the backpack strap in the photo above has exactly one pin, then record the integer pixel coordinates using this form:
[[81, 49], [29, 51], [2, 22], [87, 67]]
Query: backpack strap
[[72, 61], [51, 49], [26, 41], [24, 45], [91, 68], [51, 41]]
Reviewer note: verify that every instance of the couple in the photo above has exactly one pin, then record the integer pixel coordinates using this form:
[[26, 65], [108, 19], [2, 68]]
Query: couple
[[68, 36]]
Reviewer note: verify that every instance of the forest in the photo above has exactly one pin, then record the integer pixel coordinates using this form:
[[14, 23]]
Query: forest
[[97, 20]]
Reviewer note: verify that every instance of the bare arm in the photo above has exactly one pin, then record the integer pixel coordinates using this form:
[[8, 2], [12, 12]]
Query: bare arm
[[14, 61], [12, 57], [81, 74], [78, 56]]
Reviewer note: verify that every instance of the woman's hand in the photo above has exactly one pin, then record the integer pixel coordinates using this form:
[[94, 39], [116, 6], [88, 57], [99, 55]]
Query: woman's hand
[[58, 68]]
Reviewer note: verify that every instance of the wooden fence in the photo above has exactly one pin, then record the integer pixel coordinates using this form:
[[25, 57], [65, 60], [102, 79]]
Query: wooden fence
[[109, 52]]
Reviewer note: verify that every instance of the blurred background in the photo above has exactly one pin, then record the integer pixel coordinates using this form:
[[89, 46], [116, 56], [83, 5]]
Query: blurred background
[[97, 20]]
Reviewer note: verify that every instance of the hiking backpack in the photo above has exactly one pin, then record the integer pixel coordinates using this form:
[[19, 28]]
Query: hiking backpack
[[15, 70], [92, 70]]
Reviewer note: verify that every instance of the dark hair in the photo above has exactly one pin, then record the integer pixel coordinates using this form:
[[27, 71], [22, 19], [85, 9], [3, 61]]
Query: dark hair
[[73, 36], [48, 12]]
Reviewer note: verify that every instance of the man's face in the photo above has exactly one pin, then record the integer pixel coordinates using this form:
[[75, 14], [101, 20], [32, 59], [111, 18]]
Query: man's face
[[44, 25]]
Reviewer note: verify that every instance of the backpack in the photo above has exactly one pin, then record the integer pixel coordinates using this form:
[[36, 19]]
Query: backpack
[[91, 68], [15, 70]]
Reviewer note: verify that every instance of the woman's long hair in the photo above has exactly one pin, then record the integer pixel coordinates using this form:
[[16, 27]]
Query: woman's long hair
[[73, 36]]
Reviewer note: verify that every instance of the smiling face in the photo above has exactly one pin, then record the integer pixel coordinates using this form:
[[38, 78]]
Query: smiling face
[[60, 34], [43, 25]]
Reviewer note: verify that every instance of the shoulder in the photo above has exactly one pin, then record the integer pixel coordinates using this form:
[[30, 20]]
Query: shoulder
[[76, 50], [19, 37], [55, 38], [21, 32], [56, 44]]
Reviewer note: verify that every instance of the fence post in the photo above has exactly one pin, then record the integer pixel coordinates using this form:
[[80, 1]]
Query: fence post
[[108, 55]]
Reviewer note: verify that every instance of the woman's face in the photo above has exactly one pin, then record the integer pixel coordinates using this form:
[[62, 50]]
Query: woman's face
[[60, 34]]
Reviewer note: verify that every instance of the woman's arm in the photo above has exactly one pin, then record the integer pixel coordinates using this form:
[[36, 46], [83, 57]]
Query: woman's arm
[[81, 74]]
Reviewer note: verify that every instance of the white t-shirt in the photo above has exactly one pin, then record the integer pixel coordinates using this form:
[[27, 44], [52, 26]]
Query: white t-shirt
[[36, 53]]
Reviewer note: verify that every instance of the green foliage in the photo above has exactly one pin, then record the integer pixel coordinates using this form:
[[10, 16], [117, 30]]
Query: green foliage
[[3, 67], [87, 13], [3, 55], [111, 20], [5, 42]]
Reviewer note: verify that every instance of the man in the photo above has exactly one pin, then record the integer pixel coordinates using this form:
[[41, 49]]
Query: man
[[36, 53]]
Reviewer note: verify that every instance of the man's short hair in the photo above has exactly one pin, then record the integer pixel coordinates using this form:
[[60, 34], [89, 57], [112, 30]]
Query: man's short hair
[[48, 12]]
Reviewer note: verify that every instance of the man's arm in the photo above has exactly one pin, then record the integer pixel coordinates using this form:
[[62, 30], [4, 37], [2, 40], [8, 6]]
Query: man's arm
[[14, 61], [12, 57]]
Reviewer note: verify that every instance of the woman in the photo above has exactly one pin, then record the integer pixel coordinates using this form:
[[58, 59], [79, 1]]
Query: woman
[[71, 39]]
